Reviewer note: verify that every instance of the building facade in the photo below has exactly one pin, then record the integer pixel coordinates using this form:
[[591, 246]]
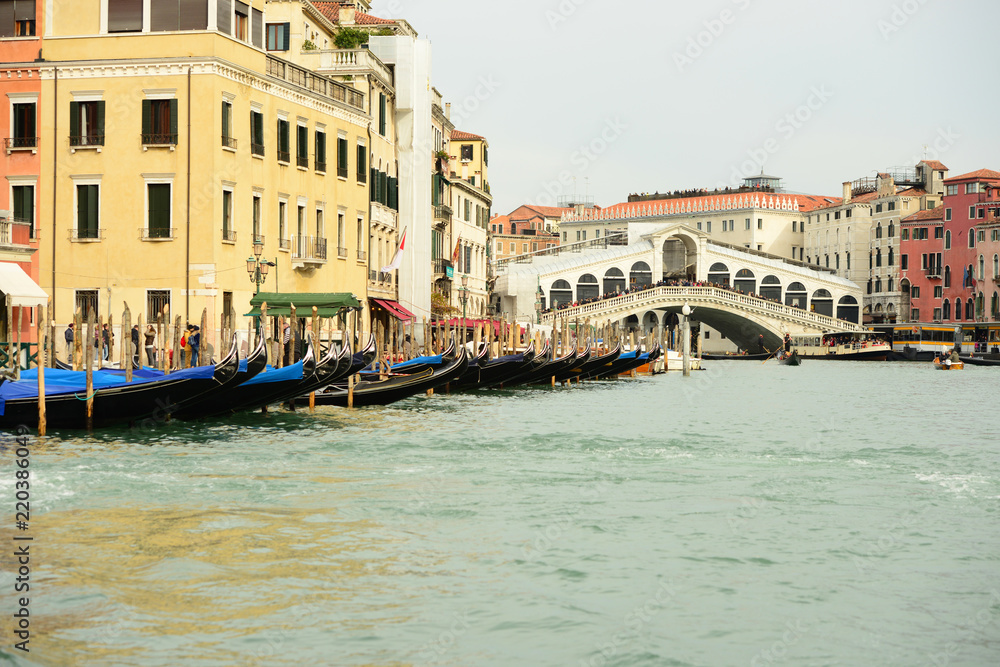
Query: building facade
[[468, 159]]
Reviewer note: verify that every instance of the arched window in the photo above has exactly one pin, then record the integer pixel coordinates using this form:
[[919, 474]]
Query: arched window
[[947, 309], [848, 261], [996, 266], [982, 268], [847, 309], [889, 288], [878, 230], [972, 238], [587, 287], [878, 285], [770, 288], [795, 295], [980, 305], [745, 281], [719, 274], [995, 306], [947, 240], [892, 230], [958, 309], [891, 257], [970, 310], [878, 257], [614, 281], [560, 293], [947, 276], [822, 302], [640, 275]]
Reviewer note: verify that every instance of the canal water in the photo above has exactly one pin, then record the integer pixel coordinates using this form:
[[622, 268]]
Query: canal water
[[831, 514]]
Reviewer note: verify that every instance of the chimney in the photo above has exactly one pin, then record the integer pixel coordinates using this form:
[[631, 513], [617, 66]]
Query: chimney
[[447, 110], [847, 191], [347, 14]]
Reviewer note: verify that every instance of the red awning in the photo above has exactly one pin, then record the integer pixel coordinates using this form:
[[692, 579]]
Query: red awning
[[395, 309]]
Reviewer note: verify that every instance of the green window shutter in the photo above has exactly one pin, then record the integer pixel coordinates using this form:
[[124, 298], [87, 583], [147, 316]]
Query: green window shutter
[[381, 115], [173, 119], [225, 120], [435, 186], [81, 210], [147, 116], [99, 122], [373, 185], [74, 120]]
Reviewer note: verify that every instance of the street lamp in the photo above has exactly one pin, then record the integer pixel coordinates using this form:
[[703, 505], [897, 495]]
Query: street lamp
[[258, 268], [464, 289], [538, 303]]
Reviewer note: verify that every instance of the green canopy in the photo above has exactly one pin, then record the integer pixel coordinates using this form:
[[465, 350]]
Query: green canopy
[[327, 304]]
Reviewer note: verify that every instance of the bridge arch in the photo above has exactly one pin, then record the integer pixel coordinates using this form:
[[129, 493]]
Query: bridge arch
[[560, 293], [680, 254], [614, 281], [848, 309], [587, 287]]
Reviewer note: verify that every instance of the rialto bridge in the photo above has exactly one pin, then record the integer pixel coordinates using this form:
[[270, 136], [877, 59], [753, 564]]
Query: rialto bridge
[[760, 294]]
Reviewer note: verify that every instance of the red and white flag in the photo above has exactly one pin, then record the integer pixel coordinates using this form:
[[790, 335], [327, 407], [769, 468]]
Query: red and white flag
[[398, 259]]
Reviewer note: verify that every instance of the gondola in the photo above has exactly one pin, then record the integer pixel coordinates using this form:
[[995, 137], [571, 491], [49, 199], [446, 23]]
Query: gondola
[[473, 373], [526, 369], [419, 364], [625, 362], [979, 361], [573, 372], [248, 368], [397, 387], [271, 386], [790, 359], [600, 362], [496, 371], [114, 400], [363, 358], [553, 367], [333, 368], [736, 357]]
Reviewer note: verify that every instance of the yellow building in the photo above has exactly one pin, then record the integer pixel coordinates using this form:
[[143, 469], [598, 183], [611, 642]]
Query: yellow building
[[471, 202], [175, 142]]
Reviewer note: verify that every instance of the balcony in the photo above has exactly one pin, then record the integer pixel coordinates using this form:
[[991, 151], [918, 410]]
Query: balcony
[[284, 156], [341, 252], [996, 280], [320, 167], [441, 267], [442, 213], [315, 83], [308, 249], [86, 141], [346, 62], [15, 232], [257, 149], [284, 244], [229, 142], [158, 233], [78, 235], [159, 139], [933, 272], [21, 144], [302, 161], [229, 236], [362, 256]]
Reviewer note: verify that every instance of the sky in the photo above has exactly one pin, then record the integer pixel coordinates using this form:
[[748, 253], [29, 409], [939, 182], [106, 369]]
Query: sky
[[611, 98]]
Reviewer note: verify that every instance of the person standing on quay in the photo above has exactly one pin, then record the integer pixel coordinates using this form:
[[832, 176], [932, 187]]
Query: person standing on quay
[[69, 340], [150, 337]]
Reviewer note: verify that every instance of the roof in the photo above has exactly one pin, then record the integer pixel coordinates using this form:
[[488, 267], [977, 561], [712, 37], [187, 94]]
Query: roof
[[24, 291], [458, 135], [912, 192], [981, 173], [331, 10], [935, 165], [544, 211], [936, 213], [329, 304], [501, 219], [708, 203]]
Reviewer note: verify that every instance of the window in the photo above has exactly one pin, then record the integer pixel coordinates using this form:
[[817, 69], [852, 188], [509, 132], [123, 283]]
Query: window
[[848, 213], [892, 230], [878, 257], [878, 208], [300, 219], [283, 243], [512, 248], [158, 211], [23, 130], [981, 235], [947, 240], [760, 223], [257, 133], [904, 262], [88, 197], [362, 164], [320, 151], [159, 122], [17, 18], [466, 152], [342, 157], [951, 190], [524, 247], [228, 235], [982, 269], [794, 224], [892, 206], [848, 260], [86, 124], [228, 141], [699, 229], [24, 205], [972, 213], [174, 15], [939, 232], [947, 214], [341, 237], [891, 256], [937, 291], [277, 36], [915, 314], [878, 230], [878, 285], [302, 146], [87, 302], [971, 188], [836, 215], [947, 276], [284, 149], [915, 294], [241, 28], [255, 218], [972, 238], [125, 15], [381, 113], [468, 214], [937, 314], [708, 226], [157, 303], [905, 235]]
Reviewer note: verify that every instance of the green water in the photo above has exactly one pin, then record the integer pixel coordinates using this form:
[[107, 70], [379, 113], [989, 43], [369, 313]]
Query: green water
[[832, 514]]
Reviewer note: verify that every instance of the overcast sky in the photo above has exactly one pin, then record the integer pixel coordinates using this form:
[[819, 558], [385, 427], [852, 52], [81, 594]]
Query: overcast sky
[[613, 98]]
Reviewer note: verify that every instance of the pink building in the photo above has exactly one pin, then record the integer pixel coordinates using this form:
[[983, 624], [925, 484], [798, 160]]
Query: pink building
[[965, 205], [920, 255]]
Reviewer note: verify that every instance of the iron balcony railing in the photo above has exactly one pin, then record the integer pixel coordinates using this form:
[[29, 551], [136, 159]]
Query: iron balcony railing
[[17, 143], [284, 244], [320, 166], [302, 161], [441, 265], [341, 251], [229, 142], [229, 235], [159, 139], [309, 248], [78, 234], [315, 83], [442, 213], [157, 233], [284, 156], [362, 255], [257, 149], [86, 140]]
